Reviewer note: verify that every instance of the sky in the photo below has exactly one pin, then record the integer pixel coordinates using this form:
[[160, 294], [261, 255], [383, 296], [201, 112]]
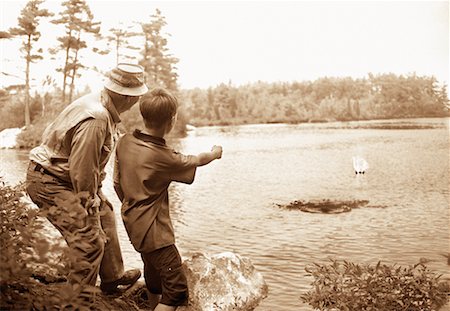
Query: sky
[[242, 42]]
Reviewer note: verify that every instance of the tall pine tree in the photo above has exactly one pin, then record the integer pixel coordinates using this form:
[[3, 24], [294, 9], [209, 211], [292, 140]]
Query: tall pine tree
[[120, 39], [27, 28], [78, 20], [159, 64]]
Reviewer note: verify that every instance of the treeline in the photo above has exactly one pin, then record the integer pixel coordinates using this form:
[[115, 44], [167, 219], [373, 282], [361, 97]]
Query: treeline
[[326, 99], [385, 96]]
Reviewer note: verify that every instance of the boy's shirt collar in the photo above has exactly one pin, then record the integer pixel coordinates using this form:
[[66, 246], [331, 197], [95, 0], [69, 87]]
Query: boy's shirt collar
[[149, 138]]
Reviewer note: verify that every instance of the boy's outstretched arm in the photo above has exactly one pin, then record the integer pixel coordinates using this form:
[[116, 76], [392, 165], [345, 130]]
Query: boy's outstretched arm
[[207, 157]]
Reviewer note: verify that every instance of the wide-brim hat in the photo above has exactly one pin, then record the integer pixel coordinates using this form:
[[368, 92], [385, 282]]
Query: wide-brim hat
[[127, 79]]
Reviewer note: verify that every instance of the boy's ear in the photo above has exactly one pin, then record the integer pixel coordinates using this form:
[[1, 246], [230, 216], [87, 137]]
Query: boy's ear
[[171, 123]]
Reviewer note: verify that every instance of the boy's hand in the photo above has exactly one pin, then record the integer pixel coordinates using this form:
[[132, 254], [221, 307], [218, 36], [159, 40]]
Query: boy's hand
[[217, 150]]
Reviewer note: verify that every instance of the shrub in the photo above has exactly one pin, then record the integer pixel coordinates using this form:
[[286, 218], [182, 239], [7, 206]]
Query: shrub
[[349, 286], [31, 136], [18, 224], [23, 248], [12, 108]]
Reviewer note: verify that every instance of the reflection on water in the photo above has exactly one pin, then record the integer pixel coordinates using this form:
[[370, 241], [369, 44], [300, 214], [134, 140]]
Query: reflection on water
[[232, 205]]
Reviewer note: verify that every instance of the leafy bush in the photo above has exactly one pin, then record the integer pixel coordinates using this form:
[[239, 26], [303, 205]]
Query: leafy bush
[[12, 108], [18, 224], [349, 286], [24, 248], [31, 136]]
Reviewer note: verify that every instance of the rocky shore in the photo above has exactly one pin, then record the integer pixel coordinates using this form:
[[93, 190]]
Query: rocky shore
[[225, 281]]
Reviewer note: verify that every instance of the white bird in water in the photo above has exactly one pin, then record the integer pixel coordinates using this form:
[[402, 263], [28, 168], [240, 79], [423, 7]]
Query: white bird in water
[[360, 165]]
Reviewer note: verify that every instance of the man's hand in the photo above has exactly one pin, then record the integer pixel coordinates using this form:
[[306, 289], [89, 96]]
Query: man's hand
[[104, 199]]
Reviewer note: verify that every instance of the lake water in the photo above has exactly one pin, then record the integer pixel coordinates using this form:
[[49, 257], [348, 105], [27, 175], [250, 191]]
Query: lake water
[[232, 205]]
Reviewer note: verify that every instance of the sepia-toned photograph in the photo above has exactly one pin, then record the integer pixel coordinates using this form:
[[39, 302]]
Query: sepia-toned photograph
[[224, 155]]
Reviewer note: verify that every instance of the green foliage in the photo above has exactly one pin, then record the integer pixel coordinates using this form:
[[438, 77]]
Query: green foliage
[[17, 223], [326, 99], [12, 108], [31, 136], [28, 22], [348, 286], [120, 38], [159, 64], [77, 20], [25, 249], [42, 108]]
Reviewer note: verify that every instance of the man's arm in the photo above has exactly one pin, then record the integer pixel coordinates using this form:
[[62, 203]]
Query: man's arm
[[84, 160], [116, 179]]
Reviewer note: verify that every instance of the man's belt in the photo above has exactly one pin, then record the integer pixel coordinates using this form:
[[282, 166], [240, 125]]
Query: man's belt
[[43, 170]]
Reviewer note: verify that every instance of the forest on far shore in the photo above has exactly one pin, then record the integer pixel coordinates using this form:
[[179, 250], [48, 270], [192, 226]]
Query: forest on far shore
[[385, 96]]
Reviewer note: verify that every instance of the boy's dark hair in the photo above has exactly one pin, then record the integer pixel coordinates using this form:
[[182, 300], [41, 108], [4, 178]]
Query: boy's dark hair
[[158, 107]]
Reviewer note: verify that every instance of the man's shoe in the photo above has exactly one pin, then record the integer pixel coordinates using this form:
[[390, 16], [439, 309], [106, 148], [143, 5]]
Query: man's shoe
[[129, 278]]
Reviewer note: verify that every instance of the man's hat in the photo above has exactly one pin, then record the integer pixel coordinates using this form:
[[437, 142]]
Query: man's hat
[[127, 79]]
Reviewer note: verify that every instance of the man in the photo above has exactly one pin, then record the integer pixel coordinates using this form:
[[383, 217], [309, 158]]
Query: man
[[70, 161]]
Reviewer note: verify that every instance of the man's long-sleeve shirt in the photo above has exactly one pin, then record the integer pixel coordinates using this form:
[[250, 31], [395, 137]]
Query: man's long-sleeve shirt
[[86, 161], [77, 145]]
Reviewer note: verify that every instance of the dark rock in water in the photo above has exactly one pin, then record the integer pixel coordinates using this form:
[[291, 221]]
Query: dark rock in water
[[325, 206]]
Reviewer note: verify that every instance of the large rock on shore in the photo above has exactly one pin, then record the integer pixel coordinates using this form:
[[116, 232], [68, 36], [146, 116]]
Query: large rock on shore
[[224, 281], [221, 282]]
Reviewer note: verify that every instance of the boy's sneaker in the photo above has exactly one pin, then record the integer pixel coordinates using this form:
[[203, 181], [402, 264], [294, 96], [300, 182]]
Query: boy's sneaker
[[129, 278]]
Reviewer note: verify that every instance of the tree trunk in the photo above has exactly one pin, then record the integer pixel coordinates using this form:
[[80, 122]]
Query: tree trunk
[[65, 68], [43, 108], [117, 50], [74, 70], [27, 84]]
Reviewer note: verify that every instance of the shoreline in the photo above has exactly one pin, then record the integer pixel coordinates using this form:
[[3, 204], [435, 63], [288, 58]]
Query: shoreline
[[8, 136]]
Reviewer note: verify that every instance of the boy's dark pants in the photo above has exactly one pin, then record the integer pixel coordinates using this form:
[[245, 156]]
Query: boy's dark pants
[[164, 274], [84, 238]]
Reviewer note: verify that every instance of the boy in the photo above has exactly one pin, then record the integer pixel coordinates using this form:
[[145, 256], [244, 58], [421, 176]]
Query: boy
[[145, 166]]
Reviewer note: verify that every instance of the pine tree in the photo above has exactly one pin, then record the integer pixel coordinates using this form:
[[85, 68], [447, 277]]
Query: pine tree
[[78, 20], [5, 35], [27, 27], [120, 38], [158, 63]]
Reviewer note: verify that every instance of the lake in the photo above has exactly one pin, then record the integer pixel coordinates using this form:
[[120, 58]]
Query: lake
[[233, 205]]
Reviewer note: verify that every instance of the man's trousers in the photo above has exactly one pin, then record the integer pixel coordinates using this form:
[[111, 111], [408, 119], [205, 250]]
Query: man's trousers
[[91, 254]]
